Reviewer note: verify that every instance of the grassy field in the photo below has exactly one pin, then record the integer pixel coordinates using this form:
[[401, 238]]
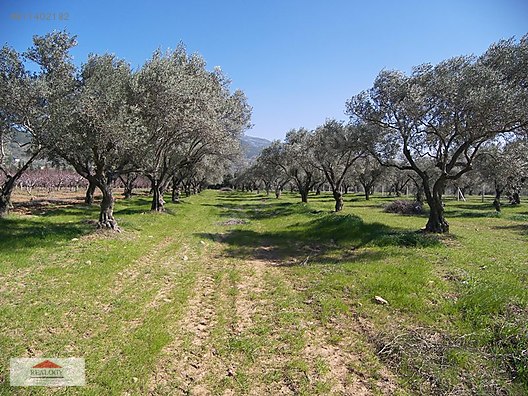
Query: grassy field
[[238, 293]]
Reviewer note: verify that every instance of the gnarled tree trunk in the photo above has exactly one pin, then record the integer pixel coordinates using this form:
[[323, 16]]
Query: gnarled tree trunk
[[128, 184], [496, 201], [304, 195], [367, 189], [303, 185], [157, 196], [338, 196], [419, 194], [106, 215], [436, 223], [9, 185], [515, 198], [89, 197], [176, 192], [5, 195], [127, 191]]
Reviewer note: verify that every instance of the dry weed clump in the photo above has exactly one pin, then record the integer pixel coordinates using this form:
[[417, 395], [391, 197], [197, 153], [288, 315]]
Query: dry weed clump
[[437, 363], [405, 207]]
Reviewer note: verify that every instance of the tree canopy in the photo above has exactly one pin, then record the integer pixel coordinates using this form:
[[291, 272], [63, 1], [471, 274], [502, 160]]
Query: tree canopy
[[445, 112], [164, 120]]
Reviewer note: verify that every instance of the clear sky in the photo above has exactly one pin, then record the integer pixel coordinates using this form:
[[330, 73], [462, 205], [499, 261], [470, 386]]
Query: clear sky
[[297, 61]]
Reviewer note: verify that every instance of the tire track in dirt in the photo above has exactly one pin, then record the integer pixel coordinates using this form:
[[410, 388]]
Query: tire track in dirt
[[131, 273], [187, 365], [339, 358], [340, 361], [138, 275], [174, 262], [248, 300], [254, 307], [191, 364], [186, 361]]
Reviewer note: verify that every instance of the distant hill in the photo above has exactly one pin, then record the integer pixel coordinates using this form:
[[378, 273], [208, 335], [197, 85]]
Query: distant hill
[[14, 151], [252, 146]]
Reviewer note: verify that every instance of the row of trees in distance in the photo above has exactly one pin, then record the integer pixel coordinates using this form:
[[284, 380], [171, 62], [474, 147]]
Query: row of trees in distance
[[171, 120], [499, 169], [434, 126]]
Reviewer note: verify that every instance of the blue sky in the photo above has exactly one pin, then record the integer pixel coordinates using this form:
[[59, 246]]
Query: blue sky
[[297, 61]]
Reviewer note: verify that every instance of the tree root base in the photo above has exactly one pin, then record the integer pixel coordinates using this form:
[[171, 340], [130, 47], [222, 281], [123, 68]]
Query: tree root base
[[108, 225]]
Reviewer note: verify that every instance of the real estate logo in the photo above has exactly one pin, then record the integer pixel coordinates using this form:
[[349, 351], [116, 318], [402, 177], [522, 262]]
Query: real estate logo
[[47, 372]]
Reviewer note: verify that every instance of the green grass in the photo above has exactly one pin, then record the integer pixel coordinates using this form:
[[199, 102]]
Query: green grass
[[464, 285], [458, 304], [87, 297]]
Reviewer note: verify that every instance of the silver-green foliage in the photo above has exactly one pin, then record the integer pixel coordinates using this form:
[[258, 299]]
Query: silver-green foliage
[[446, 112], [187, 114], [29, 101]]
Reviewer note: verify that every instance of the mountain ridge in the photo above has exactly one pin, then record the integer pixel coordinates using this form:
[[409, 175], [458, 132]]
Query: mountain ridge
[[252, 145]]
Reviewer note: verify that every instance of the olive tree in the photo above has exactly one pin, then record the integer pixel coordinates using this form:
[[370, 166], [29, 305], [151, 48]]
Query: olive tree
[[292, 160], [368, 171], [300, 160], [187, 113], [337, 147], [505, 166], [248, 179], [16, 105], [99, 128], [446, 112], [271, 168], [27, 101], [210, 171], [202, 165]]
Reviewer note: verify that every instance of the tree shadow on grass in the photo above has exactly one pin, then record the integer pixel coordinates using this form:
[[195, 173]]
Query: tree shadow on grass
[[328, 237], [320, 198], [245, 198], [519, 228], [134, 205], [46, 206], [70, 210], [22, 233], [130, 211], [472, 206], [473, 214], [89, 210], [259, 211], [468, 210], [142, 206], [370, 205]]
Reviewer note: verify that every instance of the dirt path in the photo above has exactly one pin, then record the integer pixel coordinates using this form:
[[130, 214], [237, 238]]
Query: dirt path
[[186, 361], [246, 330]]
